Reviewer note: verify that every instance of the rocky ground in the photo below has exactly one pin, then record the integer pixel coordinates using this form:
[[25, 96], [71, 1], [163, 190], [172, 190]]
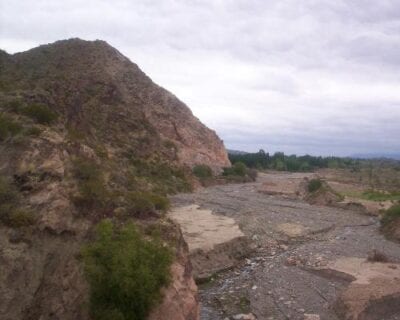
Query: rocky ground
[[304, 261]]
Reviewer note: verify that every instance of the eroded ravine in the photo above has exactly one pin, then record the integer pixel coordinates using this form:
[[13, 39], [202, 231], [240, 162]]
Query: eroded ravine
[[293, 248]]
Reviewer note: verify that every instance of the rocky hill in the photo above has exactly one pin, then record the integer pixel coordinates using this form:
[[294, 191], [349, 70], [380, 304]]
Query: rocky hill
[[86, 135]]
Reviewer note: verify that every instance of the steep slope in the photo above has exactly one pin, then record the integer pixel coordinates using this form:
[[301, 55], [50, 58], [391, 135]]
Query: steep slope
[[102, 93], [86, 135]]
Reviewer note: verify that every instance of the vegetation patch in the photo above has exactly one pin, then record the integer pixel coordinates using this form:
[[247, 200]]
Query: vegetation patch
[[125, 272], [10, 213], [91, 184], [33, 131], [314, 185], [40, 113], [139, 203], [8, 127], [239, 173], [163, 177], [202, 171], [391, 214], [380, 195]]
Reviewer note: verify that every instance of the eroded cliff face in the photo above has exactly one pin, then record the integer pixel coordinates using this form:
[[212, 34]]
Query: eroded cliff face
[[111, 114]]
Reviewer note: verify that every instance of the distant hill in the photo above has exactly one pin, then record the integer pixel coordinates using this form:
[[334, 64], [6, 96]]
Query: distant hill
[[394, 156], [235, 152]]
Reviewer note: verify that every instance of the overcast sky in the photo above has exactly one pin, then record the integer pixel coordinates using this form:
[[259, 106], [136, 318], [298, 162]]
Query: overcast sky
[[310, 76]]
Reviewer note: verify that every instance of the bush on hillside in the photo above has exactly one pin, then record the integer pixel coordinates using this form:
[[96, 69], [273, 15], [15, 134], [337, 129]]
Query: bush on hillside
[[125, 273], [146, 202], [91, 184], [202, 171], [8, 127], [10, 214], [40, 113]]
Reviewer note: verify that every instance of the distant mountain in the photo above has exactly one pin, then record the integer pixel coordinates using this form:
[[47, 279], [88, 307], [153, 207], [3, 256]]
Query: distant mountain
[[236, 151], [395, 156]]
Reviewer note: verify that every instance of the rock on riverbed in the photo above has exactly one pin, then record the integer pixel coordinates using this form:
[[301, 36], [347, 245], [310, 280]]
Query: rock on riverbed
[[215, 242]]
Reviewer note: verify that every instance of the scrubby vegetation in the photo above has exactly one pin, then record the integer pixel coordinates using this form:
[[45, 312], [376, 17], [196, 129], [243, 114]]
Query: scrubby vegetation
[[8, 127], [40, 113], [202, 171], [376, 195], [146, 202], [164, 178], [125, 272], [390, 215], [92, 190], [10, 212], [239, 173], [314, 185]]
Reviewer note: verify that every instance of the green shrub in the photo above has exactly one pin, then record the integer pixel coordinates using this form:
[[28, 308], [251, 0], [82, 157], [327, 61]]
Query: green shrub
[[91, 184], [33, 131], [40, 113], [20, 218], [146, 202], [202, 171], [125, 273], [391, 214], [314, 185], [238, 169], [162, 176], [14, 105], [10, 214], [8, 127]]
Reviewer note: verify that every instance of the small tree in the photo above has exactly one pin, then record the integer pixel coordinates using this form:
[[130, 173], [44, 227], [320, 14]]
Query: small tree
[[125, 272]]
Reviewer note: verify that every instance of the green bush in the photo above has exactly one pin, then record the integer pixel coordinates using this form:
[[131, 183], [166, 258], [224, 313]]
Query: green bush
[[14, 105], [314, 185], [238, 169], [125, 273], [40, 113], [202, 171], [91, 184], [10, 214], [20, 218], [8, 127], [33, 131], [391, 214], [162, 176], [146, 202], [8, 199]]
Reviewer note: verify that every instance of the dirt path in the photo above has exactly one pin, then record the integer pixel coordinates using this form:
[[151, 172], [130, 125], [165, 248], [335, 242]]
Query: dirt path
[[293, 273]]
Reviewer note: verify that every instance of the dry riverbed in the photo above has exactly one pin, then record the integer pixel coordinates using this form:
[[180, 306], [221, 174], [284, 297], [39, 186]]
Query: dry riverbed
[[284, 258]]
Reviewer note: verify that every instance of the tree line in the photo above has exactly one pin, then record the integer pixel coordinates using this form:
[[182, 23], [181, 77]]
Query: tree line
[[281, 162]]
